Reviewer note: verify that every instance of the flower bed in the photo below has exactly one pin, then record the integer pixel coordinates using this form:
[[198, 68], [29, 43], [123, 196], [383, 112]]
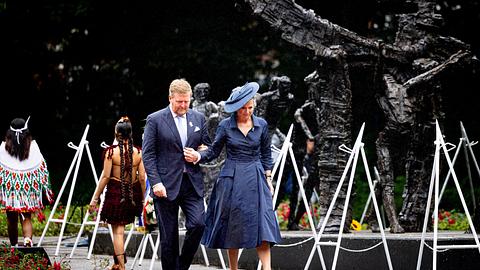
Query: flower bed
[[12, 259], [452, 220]]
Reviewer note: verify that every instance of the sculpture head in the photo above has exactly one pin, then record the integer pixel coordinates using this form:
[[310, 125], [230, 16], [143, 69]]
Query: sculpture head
[[282, 83], [201, 91]]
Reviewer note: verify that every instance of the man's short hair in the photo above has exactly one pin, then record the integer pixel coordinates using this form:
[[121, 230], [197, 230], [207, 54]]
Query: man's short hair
[[179, 86]]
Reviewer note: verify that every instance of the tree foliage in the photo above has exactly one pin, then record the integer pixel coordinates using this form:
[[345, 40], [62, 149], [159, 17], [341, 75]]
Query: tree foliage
[[79, 62]]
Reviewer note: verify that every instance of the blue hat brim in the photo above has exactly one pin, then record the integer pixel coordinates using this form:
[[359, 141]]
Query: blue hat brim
[[240, 96]]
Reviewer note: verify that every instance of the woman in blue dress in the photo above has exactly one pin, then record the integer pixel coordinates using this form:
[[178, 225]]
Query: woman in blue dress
[[240, 213]]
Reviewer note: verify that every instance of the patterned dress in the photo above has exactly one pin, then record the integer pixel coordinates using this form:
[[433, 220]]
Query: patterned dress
[[22, 183]]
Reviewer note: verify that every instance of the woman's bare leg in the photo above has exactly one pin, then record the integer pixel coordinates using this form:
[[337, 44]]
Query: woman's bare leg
[[12, 225], [233, 258], [27, 227], [118, 244], [263, 252]]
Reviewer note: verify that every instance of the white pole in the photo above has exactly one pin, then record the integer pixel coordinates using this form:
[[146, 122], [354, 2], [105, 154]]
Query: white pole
[[87, 214], [155, 251], [377, 211], [72, 188], [345, 208], [70, 195], [137, 254], [449, 172], [332, 204], [427, 209], [436, 203], [59, 196], [470, 144], [97, 223], [459, 190]]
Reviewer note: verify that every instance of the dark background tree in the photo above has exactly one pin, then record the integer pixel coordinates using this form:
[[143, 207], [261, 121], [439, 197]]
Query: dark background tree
[[73, 63]]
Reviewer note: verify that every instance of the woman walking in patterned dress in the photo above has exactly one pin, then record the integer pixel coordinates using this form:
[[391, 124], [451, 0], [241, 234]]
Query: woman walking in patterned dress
[[23, 178]]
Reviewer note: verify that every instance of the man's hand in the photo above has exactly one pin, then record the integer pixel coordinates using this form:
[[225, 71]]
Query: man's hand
[[159, 190], [190, 155]]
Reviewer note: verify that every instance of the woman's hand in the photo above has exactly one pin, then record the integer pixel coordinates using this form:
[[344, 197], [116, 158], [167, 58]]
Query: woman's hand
[[202, 147], [93, 204], [270, 185]]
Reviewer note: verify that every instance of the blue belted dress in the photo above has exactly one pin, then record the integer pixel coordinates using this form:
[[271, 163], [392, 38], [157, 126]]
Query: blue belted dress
[[240, 213]]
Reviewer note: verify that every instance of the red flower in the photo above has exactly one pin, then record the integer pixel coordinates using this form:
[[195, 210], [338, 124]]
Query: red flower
[[451, 221], [57, 266], [40, 217], [440, 216], [447, 213]]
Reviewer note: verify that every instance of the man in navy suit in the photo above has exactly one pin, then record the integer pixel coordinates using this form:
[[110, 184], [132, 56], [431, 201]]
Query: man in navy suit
[[175, 181]]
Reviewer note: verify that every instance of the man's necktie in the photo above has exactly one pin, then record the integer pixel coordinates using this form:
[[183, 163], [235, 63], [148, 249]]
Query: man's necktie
[[182, 129]]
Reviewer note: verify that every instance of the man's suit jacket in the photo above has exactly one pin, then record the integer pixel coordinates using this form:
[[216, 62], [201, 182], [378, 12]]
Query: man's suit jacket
[[162, 150]]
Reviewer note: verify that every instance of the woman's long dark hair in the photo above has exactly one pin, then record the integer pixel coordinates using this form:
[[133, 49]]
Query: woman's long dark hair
[[18, 148], [123, 134]]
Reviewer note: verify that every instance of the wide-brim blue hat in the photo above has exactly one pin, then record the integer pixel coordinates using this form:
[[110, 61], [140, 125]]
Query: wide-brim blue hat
[[240, 95]]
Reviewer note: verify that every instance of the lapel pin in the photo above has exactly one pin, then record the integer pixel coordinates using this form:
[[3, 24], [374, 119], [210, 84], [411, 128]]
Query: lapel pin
[[190, 123]]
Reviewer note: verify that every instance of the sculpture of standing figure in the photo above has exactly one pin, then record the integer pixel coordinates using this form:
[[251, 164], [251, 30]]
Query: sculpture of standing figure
[[274, 104], [210, 110], [200, 102], [304, 135], [391, 147], [420, 59], [329, 86]]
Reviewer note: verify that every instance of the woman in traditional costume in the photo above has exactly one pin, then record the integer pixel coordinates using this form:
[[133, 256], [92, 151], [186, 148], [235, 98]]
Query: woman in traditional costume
[[124, 178], [23, 177]]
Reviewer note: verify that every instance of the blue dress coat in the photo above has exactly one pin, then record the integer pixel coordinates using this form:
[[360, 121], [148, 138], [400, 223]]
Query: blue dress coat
[[240, 213]]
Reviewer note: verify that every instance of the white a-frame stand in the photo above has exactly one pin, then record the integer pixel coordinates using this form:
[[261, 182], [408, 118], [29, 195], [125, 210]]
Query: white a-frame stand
[[95, 222], [367, 204], [354, 153], [148, 239], [76, 161], [435, 183], [280, 161], [467, 148]]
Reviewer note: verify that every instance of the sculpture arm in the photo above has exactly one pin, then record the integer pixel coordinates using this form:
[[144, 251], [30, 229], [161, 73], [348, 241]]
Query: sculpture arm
[[299, 118]]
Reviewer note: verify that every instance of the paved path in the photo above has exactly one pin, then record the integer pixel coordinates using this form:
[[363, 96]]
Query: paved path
[[97, 262]]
